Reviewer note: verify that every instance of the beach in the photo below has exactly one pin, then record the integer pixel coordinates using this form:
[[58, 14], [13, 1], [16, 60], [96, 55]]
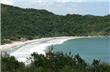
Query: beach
[[23, 50]]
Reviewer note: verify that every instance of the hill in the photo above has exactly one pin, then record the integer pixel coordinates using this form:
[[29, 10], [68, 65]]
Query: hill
[[18, 23]]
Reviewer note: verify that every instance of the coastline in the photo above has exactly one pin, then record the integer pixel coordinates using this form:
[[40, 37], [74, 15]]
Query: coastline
[[26, 48], [16, 43]]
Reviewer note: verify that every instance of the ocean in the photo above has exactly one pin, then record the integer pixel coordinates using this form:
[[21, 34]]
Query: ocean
[[88, 48]]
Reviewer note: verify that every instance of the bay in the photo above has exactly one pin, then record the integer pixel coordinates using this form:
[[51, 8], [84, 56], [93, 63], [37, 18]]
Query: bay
[[87, 48]]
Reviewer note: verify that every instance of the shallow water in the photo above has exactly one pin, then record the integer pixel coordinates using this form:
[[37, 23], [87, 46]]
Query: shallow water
[[87, 48]]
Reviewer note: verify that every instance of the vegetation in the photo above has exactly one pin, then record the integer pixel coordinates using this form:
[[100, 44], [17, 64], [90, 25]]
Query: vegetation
[[53, 62], [18, 24]]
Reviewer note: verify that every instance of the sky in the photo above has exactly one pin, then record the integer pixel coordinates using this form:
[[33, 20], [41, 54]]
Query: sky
[[63, 7]]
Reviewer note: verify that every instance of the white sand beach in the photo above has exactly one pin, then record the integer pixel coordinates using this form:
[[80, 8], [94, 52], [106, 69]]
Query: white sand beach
[[23, 50]]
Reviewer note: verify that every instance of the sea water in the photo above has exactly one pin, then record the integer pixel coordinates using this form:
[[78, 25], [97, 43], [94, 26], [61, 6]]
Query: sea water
[[88, 48]]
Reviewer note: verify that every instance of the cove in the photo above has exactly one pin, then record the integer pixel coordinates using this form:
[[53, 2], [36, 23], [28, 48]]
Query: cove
[[87, 48]]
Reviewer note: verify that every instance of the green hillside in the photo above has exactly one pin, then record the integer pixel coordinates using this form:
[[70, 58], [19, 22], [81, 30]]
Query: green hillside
[[20, 23]]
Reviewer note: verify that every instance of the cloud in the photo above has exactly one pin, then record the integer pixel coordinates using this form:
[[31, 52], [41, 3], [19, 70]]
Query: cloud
[[38, 1], [68, 0], [9, 2], [63, 7]]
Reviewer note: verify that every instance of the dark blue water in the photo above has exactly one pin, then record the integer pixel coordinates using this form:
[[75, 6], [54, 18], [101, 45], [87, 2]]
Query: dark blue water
[[87, 48]]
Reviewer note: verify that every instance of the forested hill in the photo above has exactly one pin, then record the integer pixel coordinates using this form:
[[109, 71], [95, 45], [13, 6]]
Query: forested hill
[[20, 23]]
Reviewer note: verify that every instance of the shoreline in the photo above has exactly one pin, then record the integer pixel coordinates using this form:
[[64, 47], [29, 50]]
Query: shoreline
[[15, 43], [25, 49]]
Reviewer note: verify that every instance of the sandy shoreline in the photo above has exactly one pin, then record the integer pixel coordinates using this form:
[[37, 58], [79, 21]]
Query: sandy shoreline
[[16, 43], [26, 48]]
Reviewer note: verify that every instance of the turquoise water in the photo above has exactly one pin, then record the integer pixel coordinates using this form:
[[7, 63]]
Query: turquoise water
[[87, 48]]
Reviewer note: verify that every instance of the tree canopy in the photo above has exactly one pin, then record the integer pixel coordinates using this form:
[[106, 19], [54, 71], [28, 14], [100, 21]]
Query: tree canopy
[[58, 62]]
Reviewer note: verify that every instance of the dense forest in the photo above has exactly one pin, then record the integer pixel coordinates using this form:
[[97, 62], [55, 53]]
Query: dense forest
[[18, 23], [53, 62]]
